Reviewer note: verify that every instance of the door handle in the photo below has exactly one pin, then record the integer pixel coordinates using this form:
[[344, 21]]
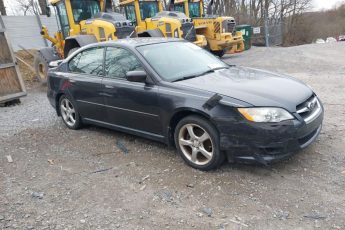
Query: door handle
[[72, 81], [109, 86]]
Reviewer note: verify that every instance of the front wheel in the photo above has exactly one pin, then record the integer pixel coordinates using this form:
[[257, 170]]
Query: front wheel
[[197, 141], [69, 113]]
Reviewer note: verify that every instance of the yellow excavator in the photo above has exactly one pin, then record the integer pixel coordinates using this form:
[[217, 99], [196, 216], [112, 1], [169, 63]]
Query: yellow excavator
[[81, 22], [219, 31], [151, 21]]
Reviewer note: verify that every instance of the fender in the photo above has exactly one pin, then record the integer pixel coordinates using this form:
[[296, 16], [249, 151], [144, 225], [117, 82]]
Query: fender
[[151, 33], [78, 41], [176, 116], [49, 54]]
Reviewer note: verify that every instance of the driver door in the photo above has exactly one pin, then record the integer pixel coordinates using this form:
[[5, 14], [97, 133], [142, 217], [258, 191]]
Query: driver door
[[131, 106]]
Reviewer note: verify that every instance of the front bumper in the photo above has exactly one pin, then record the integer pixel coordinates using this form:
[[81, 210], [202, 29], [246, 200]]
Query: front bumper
[[200, 41], [226, 41], [250, 142]]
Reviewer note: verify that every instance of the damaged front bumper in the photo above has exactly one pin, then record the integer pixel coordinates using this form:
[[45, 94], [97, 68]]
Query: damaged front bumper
[[251, 142]]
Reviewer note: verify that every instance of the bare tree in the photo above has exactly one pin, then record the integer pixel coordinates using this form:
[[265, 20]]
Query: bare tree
[[253, 11], [2, 7], [27, 6]]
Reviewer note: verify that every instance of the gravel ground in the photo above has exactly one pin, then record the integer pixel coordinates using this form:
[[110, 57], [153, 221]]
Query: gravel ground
[[64, 179]]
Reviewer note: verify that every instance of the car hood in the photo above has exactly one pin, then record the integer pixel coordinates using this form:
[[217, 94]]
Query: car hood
[[256, 87]]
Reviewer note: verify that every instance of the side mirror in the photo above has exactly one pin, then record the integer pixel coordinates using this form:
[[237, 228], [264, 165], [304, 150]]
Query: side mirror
[[54, 64], [48, 12], [136, 76]]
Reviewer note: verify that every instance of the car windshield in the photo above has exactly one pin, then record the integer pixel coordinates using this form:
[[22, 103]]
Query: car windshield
[[179, 7], [175, 61], [84, 9]]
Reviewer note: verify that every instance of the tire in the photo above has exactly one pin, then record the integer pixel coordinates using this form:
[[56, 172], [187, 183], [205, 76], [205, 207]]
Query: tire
[[41, 68], [69, 113], [219, 53], [194, 150]]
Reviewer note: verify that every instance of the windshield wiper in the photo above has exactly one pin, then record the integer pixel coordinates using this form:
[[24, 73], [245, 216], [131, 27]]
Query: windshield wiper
[[185, 78], [200, 74]]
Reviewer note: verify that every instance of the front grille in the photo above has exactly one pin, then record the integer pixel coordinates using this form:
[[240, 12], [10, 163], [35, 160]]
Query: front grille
[[125, 31], [309, 109], [188, 31], [229, 26]]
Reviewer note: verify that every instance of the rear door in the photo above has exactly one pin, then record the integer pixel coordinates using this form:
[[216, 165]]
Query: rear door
[[86, 72], [131, 105]]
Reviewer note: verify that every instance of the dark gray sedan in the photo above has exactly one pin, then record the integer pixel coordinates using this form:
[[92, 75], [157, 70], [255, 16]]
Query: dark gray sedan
[[172, 91]]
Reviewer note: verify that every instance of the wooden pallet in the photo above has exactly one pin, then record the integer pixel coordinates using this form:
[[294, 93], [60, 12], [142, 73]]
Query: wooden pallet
[[11, 83]]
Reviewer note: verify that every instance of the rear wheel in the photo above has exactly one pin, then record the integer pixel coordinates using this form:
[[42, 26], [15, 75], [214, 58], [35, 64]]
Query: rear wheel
[[69, 113], [41, 67], [197, 142]]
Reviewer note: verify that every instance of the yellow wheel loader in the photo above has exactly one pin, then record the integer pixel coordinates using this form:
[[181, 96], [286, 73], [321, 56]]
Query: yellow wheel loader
[[219, 31], [81, 22], [152, 21]]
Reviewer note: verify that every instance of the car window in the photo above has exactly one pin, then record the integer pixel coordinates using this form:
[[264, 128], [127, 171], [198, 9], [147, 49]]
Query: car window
[[62, 12], [89, 61], [179, 7], [84, 9], [130, 13], [148, 9], [194, 9], [119, 61]]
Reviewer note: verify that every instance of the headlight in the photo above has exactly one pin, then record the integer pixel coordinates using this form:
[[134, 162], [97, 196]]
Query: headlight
[[265, 114]]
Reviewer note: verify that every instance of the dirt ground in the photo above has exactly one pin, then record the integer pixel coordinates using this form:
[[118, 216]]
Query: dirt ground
[[28, 75], [64, 179]]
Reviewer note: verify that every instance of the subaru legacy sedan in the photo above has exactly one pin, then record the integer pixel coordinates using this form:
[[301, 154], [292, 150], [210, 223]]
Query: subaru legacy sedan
[[172, 91]]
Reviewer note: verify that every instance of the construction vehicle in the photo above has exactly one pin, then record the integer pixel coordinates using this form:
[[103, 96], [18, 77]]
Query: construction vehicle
[[152, 21], [219, 31], [81, 22]]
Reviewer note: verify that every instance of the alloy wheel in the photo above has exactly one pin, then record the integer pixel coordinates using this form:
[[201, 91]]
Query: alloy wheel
[[68, 112], [196, 144]]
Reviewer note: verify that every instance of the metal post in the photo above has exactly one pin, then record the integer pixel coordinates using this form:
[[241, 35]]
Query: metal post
[[266, 30]]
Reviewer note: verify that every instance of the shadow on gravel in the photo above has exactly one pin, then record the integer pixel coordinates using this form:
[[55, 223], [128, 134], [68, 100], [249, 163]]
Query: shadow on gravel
[[124, 136], [257, 169]]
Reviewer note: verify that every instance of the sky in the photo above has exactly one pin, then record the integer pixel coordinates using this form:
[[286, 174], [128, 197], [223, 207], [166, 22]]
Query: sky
[[325, 4]]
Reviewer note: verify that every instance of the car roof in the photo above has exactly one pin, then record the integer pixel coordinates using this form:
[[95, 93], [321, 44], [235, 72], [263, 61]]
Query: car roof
[[129, 42], [134, 42]]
